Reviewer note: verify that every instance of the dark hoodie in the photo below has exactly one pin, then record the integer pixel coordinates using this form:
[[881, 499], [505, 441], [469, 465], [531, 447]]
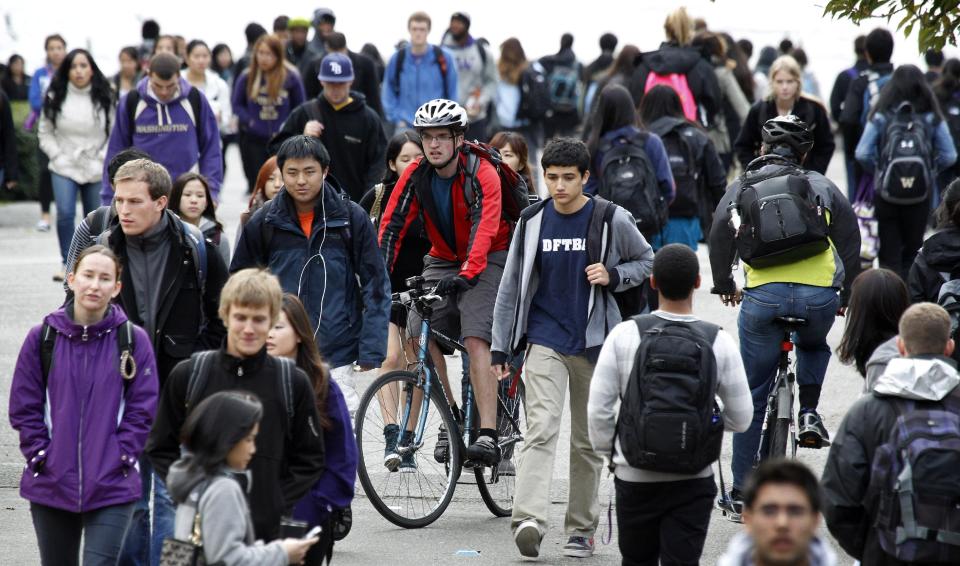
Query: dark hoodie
[[673, 59], [940, 255], [353, 136]]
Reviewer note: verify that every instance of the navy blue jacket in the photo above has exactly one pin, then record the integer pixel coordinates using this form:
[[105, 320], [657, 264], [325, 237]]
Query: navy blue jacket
[[354, 322]]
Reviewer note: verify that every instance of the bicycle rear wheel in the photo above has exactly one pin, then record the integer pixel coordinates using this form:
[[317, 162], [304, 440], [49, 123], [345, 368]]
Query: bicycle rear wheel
[[780, 429], [497, 483], [416, 495]]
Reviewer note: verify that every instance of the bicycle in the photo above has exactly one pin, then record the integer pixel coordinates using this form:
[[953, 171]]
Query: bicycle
[[433, 438], [779, 427]]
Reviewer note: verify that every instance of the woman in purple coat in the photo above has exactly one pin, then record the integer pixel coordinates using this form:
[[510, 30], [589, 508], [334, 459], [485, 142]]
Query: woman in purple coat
[[83, 399]]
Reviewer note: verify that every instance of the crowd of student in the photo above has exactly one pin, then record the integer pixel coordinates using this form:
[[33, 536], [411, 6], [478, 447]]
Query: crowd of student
[[195, 391]]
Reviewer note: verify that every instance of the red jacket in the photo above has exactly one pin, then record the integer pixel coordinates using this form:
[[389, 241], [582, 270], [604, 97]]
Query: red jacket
[[478, 232]]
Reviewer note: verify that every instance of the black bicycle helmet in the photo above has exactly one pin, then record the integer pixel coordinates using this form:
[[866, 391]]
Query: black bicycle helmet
[[789, 131], [441, 113]]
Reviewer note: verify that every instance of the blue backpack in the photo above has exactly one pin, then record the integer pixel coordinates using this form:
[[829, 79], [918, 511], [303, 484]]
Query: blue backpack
[[874, 85], [914, 480]]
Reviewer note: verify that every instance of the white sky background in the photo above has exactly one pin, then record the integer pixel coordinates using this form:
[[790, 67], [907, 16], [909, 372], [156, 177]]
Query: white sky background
[[106, 26]]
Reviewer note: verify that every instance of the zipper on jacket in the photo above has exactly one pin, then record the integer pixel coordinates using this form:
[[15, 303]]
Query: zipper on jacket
[[84, 336], [86, 360]]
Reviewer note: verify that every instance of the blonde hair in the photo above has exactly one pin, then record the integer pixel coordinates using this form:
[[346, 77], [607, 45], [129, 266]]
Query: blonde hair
[[790, 66], [252, 287], [679, 26], [150, 172], [925, 329]]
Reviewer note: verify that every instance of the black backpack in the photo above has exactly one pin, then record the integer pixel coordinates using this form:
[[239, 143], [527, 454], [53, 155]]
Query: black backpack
[[534, 95], [564, 86], [669, 420], [782, 219], [627, 178], [683, 163], [905, 168], [127, 365]]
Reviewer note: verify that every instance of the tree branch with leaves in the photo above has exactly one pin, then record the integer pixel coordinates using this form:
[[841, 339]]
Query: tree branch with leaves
[[936, 21]]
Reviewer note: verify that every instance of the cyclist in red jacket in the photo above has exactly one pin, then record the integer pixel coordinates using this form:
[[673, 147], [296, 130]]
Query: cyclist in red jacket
[[469, 248]]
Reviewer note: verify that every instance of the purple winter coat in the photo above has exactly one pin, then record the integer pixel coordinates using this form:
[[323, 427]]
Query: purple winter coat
[[81, 441], [261, 117]]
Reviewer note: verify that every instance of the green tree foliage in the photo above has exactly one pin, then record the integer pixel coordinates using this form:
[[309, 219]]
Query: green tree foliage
[[936, 21]]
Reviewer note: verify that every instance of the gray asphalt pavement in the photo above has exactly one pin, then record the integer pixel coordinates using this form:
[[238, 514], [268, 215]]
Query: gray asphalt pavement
[[27, 261]]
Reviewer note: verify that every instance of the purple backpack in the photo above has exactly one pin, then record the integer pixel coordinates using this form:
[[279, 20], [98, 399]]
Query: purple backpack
[[915, 482]]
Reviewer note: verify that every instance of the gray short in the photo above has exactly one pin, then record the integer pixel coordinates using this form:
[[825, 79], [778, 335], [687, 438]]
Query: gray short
[[472, 315]]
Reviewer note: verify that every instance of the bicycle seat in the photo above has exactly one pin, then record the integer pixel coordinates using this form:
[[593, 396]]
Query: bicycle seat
[[790, 322]]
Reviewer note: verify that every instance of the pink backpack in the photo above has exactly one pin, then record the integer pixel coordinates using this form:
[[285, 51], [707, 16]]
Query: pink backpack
[[677, 82]]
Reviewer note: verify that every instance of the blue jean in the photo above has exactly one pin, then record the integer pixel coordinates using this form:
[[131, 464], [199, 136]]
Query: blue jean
[[65, 193], [139, 547], [760, 339], [59, 531]]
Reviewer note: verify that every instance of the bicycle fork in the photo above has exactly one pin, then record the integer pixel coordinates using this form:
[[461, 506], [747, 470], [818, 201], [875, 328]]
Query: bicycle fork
[[427, 372]]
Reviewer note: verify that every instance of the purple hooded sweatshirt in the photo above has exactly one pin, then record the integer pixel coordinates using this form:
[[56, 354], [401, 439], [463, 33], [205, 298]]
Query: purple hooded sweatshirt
[[334, 489], [167, 132], [82, 436], [260, 117]]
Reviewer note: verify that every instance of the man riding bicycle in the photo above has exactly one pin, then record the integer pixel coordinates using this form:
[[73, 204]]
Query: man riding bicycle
[[800, 243], [469, 248]]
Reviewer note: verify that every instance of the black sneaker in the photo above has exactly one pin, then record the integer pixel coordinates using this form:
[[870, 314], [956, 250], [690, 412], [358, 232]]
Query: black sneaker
[[407, 464], [812, 432], [391, 458], [485, 451], [731, 505], [441, 450]]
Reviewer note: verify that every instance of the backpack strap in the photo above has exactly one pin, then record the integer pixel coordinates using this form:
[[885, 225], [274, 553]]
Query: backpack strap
[[398, 70], [286, 390], [198, 248], [603, 211], [193, 97], [48, 339], [132, 101], [442, 64], [312, 108], [98, 221], [200, 363], [471, 186]]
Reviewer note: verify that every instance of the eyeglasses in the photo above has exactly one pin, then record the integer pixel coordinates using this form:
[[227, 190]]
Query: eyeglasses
[[772, 511], [441, 139]]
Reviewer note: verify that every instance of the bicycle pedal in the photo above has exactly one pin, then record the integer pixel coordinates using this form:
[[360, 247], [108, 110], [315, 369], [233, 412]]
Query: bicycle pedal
[[813, 441], [469, 464]]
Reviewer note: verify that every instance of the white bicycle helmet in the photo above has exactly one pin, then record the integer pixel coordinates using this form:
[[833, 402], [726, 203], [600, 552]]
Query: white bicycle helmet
[[441, 113]]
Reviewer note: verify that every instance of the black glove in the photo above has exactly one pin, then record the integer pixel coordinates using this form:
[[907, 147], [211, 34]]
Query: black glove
[[452, 285]]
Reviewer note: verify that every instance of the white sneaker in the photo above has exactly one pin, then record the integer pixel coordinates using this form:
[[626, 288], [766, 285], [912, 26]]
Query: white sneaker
[[528, 537]]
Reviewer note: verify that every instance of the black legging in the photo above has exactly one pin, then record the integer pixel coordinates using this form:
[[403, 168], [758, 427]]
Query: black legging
[[901, 229], [253, 153], [44, 182]]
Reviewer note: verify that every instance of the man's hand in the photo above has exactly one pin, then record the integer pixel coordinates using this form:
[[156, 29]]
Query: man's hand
[[12, 184], [842, 311], [597, 274], [500, 371], [733, 299], [313, 128], [452, 285]]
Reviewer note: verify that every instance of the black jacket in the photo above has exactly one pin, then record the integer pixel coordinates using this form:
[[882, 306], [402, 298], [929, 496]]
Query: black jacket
[[940, 254], [686, 61], [842, 85], [353, 135], [365, 79], [8, 142], [285, 466], [849, 507], [850, 124], [188, 321], [747, 146], [711, 175]]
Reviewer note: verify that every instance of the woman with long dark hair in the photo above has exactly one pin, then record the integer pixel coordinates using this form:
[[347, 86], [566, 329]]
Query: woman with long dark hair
[[620, 73], [403, 149], [200, 76], [939, 258], [901, 226], [129, 74], [878, 298], [78, 113], [268, 184], [947, 91], [328, 502], [83, 411], [263, 96], [515, 153], [191, 200], [698, 173], [56, 49], [210, 482], [16, 81], [222, 62]]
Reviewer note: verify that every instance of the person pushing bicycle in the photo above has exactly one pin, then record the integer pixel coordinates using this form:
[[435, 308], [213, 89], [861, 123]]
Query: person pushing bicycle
[[800, 243], [469, 238]]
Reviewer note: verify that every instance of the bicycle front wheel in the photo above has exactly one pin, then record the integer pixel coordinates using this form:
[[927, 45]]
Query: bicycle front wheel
[[417, 493], [497, 483]]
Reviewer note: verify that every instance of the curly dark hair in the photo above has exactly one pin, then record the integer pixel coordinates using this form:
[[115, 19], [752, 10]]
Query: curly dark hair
[[100, 89]]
